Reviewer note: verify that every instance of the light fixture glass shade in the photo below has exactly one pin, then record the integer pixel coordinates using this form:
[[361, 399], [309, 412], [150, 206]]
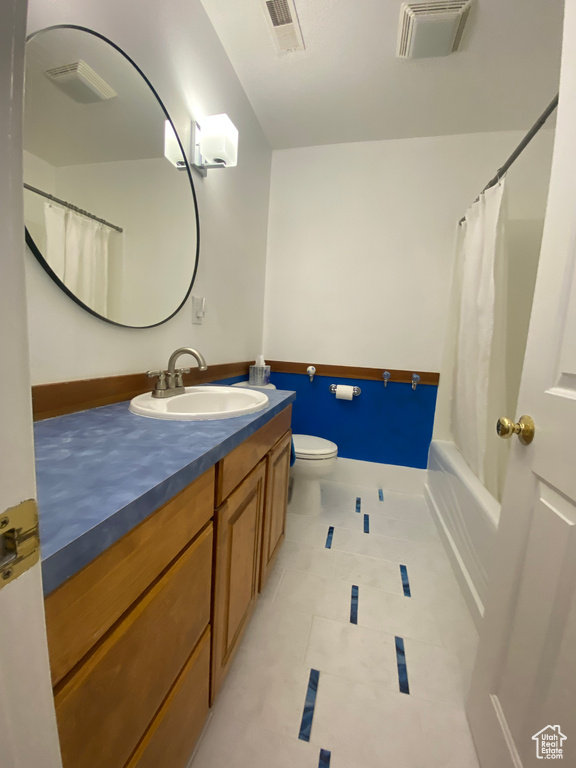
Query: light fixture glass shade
[[219, 141], [172, 149]]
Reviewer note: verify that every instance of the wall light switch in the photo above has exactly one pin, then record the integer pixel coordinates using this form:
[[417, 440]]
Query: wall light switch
[[198, 310]]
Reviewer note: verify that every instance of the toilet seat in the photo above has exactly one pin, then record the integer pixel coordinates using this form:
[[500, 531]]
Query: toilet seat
[[312, 448]]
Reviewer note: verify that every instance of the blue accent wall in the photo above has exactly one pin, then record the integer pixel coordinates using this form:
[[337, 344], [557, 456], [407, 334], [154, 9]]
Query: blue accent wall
[[390, 425], [230, 380]]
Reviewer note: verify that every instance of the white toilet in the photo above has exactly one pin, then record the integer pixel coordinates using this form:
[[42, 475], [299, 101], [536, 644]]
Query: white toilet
[[314, 455], [315, 458]]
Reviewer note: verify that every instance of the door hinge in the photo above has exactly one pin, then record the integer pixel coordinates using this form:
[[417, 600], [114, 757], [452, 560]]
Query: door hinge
[[19, 540]]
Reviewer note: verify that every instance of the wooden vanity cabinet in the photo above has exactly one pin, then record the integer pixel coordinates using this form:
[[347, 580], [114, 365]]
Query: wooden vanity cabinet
[[140, 640], [107, 705], [129, 637], [84, 608], [249, 528]]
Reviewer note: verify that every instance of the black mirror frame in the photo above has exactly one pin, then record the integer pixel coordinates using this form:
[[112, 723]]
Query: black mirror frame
[[36, 251]]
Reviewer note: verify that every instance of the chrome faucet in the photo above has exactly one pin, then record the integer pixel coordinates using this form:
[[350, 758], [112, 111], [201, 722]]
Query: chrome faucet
[[170, 381]]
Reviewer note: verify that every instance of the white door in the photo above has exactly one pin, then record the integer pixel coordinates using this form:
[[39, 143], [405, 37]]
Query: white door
[[28, 736], [525, 674]]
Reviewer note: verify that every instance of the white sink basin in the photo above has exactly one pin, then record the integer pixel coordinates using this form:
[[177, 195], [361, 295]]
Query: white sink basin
[[200, 404]]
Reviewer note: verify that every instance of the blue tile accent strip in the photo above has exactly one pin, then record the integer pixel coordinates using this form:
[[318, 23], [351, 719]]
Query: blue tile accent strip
[[354, 605], [309, 704], [402, 669], [358, 503], [380, 494], [366, 524], [405, 581], [324, 761], [329, 537]]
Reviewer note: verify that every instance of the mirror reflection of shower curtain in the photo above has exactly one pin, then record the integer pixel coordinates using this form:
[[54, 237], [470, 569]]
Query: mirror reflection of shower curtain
[[479, 393], [77, 251]]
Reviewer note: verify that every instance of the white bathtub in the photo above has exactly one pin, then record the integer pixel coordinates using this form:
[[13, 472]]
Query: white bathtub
[[467, 518]]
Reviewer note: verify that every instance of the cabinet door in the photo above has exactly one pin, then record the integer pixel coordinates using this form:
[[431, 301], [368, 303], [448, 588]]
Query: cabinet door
[[238, 532], [105, 705], [273, 530]]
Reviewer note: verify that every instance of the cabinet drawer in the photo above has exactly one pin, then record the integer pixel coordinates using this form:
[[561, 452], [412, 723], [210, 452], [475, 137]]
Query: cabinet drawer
[[105, 706], [172, 735], [242, 460], [80, 611]]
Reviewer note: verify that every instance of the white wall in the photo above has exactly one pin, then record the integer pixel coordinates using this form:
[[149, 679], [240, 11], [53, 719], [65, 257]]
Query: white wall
[[361, 244], [152, 201], [177, 48], [27, 722]]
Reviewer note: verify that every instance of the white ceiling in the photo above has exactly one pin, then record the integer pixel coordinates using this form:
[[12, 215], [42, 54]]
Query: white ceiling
[[64, 132], [349, 86]]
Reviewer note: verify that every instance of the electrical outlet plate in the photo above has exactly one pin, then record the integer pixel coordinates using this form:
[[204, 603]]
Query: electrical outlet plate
[[198, 310]]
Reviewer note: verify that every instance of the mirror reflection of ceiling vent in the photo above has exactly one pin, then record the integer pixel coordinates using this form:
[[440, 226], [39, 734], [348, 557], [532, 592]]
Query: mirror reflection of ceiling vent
[[81, 83], [431, 29], [284, 25]]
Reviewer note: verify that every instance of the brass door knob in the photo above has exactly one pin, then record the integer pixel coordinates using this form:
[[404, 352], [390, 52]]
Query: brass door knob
[[524, 429]]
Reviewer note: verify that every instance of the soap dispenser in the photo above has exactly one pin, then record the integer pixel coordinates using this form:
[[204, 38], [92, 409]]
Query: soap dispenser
[[259, 373]]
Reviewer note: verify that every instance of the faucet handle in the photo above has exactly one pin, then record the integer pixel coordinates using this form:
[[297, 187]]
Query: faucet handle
[[161, 383], [178, 373]]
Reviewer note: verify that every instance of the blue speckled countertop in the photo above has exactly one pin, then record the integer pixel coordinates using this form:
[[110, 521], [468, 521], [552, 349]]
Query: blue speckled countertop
[[101, 472]]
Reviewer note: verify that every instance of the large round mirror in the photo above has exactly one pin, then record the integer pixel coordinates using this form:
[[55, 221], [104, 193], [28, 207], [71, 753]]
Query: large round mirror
[[109, 203]]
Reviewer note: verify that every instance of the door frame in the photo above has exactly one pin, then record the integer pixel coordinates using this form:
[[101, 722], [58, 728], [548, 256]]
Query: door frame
[[27, 719], [494, 742]]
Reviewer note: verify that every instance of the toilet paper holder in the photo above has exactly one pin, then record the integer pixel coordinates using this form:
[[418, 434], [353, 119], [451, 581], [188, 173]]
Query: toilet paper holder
[[356, 390]]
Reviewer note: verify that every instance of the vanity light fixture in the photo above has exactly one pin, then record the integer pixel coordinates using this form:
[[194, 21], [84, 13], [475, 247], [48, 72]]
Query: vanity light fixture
[[172, 151], [214, 144]]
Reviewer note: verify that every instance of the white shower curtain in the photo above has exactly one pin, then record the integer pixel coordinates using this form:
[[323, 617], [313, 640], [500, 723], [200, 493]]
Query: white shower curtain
[[55, 221], [479, 386], [77, 250]]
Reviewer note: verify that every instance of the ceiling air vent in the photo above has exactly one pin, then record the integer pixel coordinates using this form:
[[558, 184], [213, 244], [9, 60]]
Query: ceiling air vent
[[431, 29], [81, 83], [284, 24]]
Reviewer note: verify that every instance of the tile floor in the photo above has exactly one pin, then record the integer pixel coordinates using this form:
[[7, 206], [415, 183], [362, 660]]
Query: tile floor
[[359, 716]]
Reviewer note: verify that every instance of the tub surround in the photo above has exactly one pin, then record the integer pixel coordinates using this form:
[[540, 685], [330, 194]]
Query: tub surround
[[466, 516], [101, 472]]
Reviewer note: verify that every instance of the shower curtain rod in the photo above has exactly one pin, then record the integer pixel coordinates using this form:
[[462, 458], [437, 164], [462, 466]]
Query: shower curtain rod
[[72, 207], [520, 148]]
